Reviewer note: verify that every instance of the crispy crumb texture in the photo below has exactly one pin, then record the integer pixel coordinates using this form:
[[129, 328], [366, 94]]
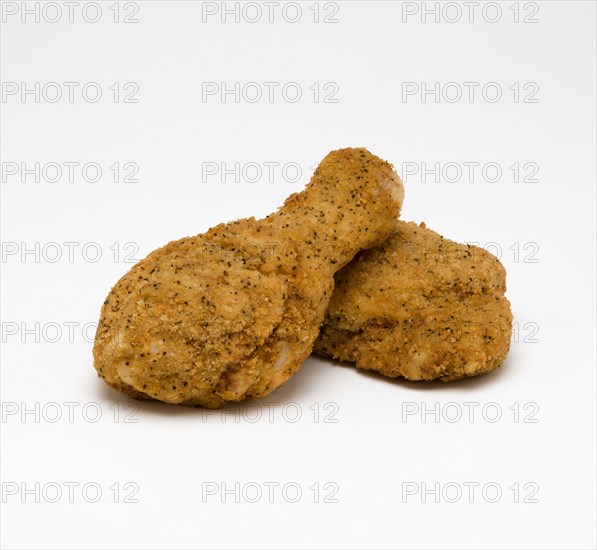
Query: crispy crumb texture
[[420, 306], [233, 313]]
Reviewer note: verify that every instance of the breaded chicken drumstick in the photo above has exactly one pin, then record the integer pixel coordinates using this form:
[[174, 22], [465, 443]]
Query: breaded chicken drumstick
[[421, 307], [233, 313]]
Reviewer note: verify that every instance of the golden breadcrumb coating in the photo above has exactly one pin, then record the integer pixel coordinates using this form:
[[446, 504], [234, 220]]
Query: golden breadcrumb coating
[[233, 313], [420, 306]]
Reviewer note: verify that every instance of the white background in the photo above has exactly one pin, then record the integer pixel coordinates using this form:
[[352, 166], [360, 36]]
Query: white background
[[375, 451]]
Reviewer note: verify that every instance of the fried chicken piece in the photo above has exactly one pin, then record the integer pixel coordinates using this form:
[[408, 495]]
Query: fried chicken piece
[[233, 313], [420, 306]]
